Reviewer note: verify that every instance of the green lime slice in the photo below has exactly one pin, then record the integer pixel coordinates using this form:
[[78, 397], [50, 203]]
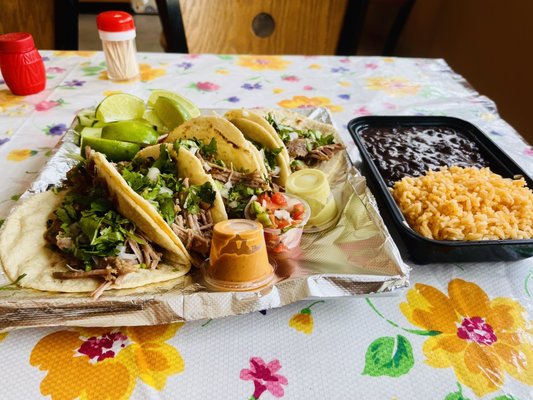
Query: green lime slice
[[170, 112], [152, 118], [120, 107], [91, 131], [86, 120], [187, 104], [134, 131], [101, 124], [113, 149]]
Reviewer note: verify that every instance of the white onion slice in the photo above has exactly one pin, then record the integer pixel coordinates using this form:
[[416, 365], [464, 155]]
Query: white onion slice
[[153, 173], [282, 214], [165, 190], [291, 202], [224, 192], [126, 256]]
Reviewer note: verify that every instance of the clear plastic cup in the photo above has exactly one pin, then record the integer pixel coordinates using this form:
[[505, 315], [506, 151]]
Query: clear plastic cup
[[238, 260], [283, 243]]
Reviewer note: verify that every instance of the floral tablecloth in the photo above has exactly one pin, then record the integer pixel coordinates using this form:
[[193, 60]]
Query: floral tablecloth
[[459, 332]]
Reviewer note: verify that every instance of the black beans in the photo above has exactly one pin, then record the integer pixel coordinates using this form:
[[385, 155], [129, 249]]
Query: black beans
[[411, 151]]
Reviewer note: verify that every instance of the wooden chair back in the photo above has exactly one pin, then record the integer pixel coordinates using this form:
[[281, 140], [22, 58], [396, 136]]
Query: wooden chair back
[[262, 26]]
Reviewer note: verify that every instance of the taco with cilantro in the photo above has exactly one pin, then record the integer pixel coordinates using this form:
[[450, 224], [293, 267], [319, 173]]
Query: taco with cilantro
[[270, 146], [87, 236], [232, 147], [236, 185], [179, 197], [309, 143]]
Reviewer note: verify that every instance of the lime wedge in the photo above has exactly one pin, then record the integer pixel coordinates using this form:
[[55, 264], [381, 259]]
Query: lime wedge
[[170, 112], [134, 131], [120, 107], [86, 120], [186, 104], [113, 149], [91, 131], [152, 118]]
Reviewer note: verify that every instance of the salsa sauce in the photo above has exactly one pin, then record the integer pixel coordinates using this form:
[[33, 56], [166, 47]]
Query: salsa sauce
[[402, 151]]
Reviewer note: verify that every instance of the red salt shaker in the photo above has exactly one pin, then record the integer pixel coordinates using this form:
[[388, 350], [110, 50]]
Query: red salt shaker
[[21, 64]]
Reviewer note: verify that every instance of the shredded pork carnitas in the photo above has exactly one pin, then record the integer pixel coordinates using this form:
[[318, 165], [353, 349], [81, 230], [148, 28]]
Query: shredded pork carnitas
[[194, 230], [326, 152], [298, 149], [223, 174], [113, 269]]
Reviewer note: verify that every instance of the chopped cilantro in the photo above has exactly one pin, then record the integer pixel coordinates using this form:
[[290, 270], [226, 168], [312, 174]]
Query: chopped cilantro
[[186, 143], [206, 193], [166, 208], [94, 228], [13, 285], [134, 179], [318, 138], [164, 162], [297, 165], [209, 150], [271, 158], [239, 195], [314, 138], [283, 131], [198, 194]]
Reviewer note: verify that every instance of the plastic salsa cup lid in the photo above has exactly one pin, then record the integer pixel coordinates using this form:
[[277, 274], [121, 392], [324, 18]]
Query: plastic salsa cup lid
[[115, 21]]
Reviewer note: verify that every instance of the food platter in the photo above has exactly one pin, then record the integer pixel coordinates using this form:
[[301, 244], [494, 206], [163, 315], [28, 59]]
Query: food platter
[[357, 256], [421, 143]]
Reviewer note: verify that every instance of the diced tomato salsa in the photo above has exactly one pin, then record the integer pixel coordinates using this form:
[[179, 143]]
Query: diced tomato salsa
[[280, 214]]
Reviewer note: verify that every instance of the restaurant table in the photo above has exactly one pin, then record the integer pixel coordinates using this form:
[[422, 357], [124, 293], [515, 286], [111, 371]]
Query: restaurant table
[[460, 331]]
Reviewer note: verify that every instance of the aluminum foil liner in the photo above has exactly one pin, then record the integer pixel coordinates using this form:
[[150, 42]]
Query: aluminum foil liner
[[355, 257]]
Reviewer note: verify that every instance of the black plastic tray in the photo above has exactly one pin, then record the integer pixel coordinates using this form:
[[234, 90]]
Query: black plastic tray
[[421, 249]]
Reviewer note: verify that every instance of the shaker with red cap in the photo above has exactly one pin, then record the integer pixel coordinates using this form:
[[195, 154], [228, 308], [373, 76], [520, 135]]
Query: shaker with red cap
[[117, 31], [21, 64]]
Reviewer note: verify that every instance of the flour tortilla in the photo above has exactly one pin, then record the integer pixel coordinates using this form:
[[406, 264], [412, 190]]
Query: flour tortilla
[[188, 166], [232, 146], [129, 203], [255, 132], [23, 250], [184, 167], [260, 120], [299, 121]]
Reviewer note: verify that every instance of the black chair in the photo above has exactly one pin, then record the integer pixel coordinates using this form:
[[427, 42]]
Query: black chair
[[66, 24], [397, 27]]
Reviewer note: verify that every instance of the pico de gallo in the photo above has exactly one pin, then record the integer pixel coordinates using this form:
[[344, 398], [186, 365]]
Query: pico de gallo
[[279, 214]]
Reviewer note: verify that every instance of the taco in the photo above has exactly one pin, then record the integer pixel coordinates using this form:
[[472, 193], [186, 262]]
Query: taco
[[181, 199], [309, 143], [88, 237], [232, 146], [236, 186], [269, 144]]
